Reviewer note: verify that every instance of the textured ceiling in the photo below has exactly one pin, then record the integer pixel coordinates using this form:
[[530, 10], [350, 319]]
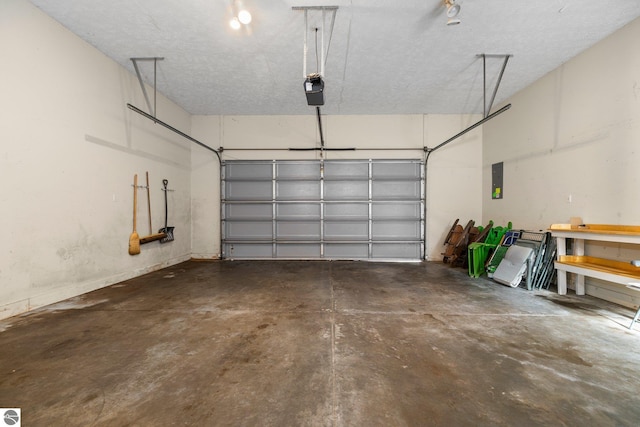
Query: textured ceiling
[[385, 56]]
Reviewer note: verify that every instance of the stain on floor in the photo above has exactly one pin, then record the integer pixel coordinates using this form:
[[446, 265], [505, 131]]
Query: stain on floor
[[321, 344]]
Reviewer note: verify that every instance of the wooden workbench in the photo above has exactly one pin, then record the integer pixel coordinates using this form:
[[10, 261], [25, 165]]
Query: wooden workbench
[[605, 269]]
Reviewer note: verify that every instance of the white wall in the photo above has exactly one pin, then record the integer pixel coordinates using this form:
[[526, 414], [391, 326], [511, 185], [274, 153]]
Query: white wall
[[205, 189], [454, 174], [69, 150], [571, 147]]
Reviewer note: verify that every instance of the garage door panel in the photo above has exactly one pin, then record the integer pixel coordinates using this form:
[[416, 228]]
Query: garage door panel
[[334, 209], [395, 230], [396, 190], [248, 250], [298, 190], [346, 190], [253, 171], [243, 211], [298, 170], [248, 190], [395, 251], [346, 169], [396, 211], [295, 211], [298, 230], [346, 251], [248, 230], [390, 169], [346, 230], [298, 251]]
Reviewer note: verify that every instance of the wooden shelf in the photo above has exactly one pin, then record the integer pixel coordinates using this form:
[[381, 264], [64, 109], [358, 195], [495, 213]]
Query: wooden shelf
[[600, 268], [604, 269], [601, 232], [597, 228]]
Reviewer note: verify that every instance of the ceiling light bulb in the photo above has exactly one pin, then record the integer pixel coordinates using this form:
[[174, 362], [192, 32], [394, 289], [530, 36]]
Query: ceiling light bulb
[[453, 10], [244, 16], [234, 23], [453, 21]]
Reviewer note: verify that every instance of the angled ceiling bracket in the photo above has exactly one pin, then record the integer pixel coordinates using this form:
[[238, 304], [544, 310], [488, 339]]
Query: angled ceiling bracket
[[484, 56], [152, 109], [331, 10]]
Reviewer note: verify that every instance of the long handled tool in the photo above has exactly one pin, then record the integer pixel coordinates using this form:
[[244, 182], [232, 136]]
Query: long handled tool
[[151, 237], [149, 205], [134, 239], [166, 229]]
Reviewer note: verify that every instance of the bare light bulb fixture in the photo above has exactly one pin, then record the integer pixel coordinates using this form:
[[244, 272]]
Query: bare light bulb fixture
[[241, 16], [453, 9], [235, 23], [244, 17]]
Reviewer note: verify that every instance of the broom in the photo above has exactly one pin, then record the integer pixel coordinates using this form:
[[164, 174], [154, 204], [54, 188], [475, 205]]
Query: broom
[[151, 237], [134, 239]]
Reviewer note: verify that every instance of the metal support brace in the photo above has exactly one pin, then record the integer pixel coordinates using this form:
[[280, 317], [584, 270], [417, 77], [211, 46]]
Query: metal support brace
[[171, 128], [484, 57], [473, 126], [320, 129], [323, 52], [155, 60]]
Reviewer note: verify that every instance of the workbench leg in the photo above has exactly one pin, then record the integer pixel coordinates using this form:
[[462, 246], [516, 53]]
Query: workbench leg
[[579, 284], [561, 249], [561, 246], [562, 282]]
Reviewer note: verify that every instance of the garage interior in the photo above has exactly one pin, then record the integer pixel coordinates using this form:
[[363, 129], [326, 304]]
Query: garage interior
[[285, 265]]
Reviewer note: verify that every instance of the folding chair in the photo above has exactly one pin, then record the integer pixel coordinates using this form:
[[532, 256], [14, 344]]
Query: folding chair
[[635, 287]]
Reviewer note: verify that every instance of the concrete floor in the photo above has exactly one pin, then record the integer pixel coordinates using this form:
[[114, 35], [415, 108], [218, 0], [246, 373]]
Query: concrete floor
[[321, 344]]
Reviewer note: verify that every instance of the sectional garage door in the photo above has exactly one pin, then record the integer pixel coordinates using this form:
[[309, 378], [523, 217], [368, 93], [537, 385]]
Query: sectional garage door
[[331, 209]]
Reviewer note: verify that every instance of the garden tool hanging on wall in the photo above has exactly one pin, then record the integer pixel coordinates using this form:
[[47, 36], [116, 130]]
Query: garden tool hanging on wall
[[134, 239], [151, 237], [168, 231]]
